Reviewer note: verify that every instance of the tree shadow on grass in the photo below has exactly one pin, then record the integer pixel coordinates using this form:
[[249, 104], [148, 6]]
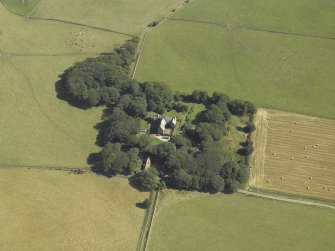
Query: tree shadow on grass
[[64, 95]]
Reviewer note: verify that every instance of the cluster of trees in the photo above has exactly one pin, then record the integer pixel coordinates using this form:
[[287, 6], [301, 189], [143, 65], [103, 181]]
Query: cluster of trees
[[193, 160]]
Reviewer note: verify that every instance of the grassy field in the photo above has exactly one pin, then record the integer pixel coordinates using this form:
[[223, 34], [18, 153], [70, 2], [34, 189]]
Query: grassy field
[[296, 154], [21, 7], [61, 211], [237, 222], [307, 17], [38, 128], [244, 63], [128, 16]]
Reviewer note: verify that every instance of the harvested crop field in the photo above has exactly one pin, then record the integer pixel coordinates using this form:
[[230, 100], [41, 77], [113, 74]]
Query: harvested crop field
[[294, 154]]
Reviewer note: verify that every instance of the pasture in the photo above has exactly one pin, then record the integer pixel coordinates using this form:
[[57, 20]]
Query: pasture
[[308, 17], [20, 7], [38, 128], [238, 222], [61, 211], [247, 63], [294, 154], [127, 16]]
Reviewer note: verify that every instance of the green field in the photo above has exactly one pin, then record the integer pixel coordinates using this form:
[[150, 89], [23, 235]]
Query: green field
[[309, 17], [21, 7], [39, 128], [128, 16], [55, 210], [238, 222], [274, 70]]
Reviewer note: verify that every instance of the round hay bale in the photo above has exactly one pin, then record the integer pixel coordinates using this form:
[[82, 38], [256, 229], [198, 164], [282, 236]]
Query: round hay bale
[[291, 130], [310, 178], [281, 178], [307, 187], [306, 156], [313, 146], [268, 127], [305, 147], [274, 154], [292, 158], [317, 144], [267, 181]]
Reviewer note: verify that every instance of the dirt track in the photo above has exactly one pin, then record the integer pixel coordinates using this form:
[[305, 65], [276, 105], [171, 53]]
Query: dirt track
[[272, 197]]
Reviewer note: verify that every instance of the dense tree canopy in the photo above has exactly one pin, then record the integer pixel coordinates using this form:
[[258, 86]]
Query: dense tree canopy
[[196, 159]]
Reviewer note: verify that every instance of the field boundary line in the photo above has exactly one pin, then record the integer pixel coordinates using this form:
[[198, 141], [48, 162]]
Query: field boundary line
[[246, 27], [67, 22], [80, 24], [151, 222], [285, 199], [147, 222], [42, 167], [13, 54], [145, 32], [35, 8]]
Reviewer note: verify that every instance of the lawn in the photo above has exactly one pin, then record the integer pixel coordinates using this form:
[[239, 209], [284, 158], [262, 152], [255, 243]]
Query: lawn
[[238, 222], [128, 16], [38, 128], [55, 210], [287, 72]]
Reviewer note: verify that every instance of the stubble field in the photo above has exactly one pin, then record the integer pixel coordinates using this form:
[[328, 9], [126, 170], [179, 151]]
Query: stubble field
[[294, 154]]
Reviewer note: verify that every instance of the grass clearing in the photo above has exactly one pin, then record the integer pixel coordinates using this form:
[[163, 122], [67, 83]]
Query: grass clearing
[[214, 222], [129, 16], [64, 211], [246, 64], [296, 154]]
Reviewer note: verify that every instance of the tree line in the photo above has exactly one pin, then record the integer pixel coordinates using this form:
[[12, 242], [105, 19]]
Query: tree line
[[193, 160]]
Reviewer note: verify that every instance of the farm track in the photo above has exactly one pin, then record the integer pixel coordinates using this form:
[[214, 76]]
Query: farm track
[[145, 32], [246, 27], [280, 198], [40, 107]]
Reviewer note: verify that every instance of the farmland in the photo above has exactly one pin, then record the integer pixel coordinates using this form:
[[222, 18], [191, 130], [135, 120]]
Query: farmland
[[127, 16], [294, 154], [238, 222], [62, 211], [23, 7], [41, 129], [249, 63]]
